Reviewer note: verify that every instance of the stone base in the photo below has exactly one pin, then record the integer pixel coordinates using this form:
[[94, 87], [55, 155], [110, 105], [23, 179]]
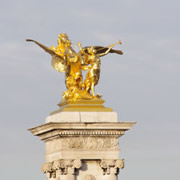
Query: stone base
[[82, 117], [82, 105], [82, 145]]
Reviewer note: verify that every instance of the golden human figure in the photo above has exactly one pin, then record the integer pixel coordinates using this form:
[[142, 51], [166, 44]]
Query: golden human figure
[[92, 57], [65, 59]]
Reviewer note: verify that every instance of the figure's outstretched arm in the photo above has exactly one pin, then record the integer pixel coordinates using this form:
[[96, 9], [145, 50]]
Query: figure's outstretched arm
[[84, 67], [110, 47], [80, 47]]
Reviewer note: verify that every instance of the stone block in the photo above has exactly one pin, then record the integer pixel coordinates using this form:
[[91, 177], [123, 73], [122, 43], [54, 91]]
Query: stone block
[[83, 117]]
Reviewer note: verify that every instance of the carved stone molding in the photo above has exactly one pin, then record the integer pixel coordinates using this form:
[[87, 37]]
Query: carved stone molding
[[79, 133], [51, 130], [61, 167], [47, 168], [111, 166], [89, 132]]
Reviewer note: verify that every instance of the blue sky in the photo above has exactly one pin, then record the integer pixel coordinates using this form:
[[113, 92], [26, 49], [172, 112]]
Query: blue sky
[[142, 85]]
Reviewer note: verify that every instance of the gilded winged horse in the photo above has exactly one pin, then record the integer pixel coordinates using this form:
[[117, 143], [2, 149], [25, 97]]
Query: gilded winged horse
[[65, 59]]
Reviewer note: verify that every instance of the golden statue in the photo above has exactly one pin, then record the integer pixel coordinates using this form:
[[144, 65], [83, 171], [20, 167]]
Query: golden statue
[[92, 56], [66, 59]]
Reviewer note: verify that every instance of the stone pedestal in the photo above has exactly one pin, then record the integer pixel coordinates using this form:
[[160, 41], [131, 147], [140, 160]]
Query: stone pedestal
[[82, 145]]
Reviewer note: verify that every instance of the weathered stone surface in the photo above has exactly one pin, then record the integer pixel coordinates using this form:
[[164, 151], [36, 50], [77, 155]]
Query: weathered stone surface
[[82, 145], [82, 117], [83, 169]]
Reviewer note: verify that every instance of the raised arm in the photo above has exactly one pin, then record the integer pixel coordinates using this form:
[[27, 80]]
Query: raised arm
[[82, 50], [110, 47]]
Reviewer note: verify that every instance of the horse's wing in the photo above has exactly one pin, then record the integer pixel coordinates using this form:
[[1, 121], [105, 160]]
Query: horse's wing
[[48, 50], [58, 62]]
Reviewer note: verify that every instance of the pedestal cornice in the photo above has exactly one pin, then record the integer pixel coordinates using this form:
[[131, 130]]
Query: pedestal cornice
[[48, 130]]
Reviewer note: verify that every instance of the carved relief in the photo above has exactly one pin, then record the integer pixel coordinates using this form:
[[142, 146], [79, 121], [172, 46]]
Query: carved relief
[[47, 168], [77, 163], [61, 167], [90, 143], [120, 163], [111, 166]]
